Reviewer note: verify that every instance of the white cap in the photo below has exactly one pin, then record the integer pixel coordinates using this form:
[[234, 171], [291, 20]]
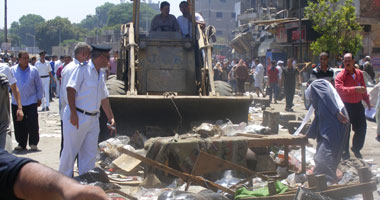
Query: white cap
[[280, 62]]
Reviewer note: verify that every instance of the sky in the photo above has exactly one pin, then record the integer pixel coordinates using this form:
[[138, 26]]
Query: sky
[[74, 10]]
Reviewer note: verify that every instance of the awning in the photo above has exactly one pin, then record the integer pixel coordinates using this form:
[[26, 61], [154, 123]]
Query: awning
[[267, 44]]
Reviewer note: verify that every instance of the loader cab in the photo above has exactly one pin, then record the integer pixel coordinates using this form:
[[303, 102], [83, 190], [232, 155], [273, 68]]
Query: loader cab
[[167, 61]]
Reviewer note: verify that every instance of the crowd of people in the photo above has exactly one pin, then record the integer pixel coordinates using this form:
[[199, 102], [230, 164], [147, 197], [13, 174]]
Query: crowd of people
[[337, 100], [242, 76], [81, 92]]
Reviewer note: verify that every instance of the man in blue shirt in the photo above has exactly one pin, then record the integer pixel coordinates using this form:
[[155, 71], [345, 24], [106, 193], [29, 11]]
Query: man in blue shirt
[[30, 86]]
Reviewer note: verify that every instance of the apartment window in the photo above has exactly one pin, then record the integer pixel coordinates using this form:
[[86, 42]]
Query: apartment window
[[219, 15], [219, 32], [233, 15], [375, 50]]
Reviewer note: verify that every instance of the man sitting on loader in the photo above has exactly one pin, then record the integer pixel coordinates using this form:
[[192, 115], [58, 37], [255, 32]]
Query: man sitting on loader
[[164, 22], [184, 20]]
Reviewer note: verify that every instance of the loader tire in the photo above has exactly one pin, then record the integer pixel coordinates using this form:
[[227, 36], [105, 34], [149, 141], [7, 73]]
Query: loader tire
[[114, 86], [223, 88]]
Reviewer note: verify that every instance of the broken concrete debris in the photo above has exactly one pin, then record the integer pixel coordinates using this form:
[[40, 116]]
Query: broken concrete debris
[[207, 163]]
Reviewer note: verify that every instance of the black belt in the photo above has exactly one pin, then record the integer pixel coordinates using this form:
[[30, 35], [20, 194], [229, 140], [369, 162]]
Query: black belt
[[44, 76], [86, 113]]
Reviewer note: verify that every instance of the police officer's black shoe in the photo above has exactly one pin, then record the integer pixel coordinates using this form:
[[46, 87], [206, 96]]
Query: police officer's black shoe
[[346, 156], [357, 153]]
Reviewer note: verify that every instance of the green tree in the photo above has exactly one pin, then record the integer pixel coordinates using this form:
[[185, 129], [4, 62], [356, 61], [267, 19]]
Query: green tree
[[25, 27], [102, 13], [336, 22], [90, 22], [122, 14], [55, 31]]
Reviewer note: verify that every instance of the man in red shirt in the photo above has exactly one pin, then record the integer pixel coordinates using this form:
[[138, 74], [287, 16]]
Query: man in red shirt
[[273, 81], [352, 89]]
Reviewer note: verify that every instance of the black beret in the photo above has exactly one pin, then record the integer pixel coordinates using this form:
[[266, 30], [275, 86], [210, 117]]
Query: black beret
[[101, 48]]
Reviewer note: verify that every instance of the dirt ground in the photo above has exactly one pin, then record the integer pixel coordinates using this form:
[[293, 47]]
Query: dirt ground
[[50, 136]]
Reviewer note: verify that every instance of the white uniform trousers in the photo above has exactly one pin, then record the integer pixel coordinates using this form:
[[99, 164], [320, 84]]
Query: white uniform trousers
[[82, 142], [46, 96]]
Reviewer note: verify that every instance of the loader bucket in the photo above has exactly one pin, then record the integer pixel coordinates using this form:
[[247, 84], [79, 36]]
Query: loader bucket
[[141, 111]]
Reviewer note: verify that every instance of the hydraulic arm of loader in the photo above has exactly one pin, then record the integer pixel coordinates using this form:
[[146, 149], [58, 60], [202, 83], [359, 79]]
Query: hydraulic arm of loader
[[205, 46], [129, 42]]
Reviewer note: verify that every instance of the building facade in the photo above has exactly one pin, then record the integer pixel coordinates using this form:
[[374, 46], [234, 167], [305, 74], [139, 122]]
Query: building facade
[[221, 14]]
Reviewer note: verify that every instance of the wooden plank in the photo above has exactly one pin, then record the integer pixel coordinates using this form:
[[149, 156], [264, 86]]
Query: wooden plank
[[364, 177], [126, 163], [286, 156], [280, 141], [311, 180], [321, 182], [253, 135], [337, 192], [122, 194], [186, 177], [271, 188], [207, 163], [351, 190], [303, 162]]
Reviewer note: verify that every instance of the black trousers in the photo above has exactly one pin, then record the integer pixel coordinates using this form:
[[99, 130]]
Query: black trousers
[[27, 127], [359, 125], [289, 95], [240, 85]]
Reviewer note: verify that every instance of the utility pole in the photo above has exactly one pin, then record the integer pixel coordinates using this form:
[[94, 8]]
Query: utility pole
[[5, 22], [300, 28], [59, 44]]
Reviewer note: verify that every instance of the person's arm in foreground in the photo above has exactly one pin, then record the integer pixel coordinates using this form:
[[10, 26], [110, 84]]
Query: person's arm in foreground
[[36, 181]]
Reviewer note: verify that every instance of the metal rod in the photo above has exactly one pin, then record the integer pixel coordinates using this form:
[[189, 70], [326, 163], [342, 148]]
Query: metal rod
[[5, 21], [300, 28]]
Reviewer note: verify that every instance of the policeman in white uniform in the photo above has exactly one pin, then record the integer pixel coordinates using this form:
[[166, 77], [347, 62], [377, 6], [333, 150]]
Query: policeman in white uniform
[[44, 69], [86, 91], [82, 53]]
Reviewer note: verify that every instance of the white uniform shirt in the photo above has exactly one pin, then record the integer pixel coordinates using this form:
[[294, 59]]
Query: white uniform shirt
[[259, 72], [43, 68], [5, 69], [185, 24], [89, 86], [65, 75], [279, 68]]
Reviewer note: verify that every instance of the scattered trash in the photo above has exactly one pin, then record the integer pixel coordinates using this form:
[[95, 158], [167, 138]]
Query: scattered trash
[[296, 179], [206, 130], [228, 180], [180, 195]]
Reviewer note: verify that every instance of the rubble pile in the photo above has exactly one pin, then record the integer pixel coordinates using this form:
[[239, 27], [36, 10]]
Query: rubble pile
[[211, 162]]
